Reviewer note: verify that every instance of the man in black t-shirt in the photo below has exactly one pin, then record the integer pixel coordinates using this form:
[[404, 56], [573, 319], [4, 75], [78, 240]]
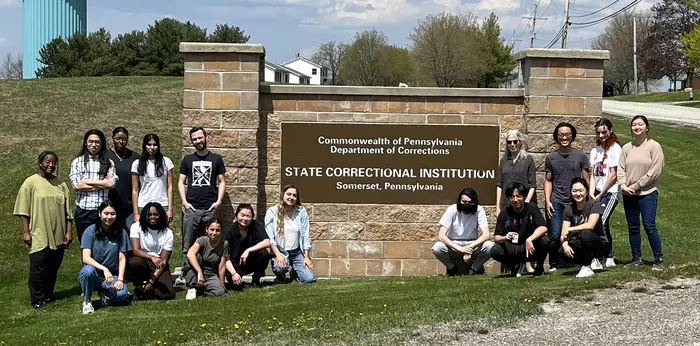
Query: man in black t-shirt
[[519, 234], [199, 174]]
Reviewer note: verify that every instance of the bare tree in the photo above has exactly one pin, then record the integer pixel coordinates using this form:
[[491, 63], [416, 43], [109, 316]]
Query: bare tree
[[446, 48], [11, 67], [329, 54]]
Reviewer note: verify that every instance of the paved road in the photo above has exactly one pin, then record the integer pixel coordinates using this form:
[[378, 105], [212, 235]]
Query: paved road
[[682, 115]]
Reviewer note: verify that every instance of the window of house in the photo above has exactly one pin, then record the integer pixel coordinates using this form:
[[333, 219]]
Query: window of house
[[313, 71], [278, 77]]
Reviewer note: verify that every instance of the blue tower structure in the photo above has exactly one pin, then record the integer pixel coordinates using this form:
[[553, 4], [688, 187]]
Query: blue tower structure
[[44, 20]]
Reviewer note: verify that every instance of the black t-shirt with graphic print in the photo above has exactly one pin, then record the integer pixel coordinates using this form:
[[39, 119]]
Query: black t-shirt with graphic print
[[578, 217], [524, 223], [202, 175]]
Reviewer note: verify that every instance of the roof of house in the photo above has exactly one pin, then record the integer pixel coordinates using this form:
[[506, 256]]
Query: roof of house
[[285, 69], [303, 59]]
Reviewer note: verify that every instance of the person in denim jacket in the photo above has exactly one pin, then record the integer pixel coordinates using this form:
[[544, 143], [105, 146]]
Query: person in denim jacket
[[289, 237]]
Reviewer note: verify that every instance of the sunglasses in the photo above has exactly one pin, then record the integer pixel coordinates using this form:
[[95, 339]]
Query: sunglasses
[[512, 142]]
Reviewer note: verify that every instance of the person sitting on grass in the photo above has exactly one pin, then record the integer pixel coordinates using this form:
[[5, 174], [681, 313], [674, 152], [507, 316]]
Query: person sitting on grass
[[463, 244], [152, 244], [207, 263], [519, 234], [583, 239], [287, 226], [104, 259], [248, 243]]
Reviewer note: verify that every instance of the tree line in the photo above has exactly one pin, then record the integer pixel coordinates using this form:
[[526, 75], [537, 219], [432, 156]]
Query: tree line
[[668, 45], [153, 52], [447, 50]]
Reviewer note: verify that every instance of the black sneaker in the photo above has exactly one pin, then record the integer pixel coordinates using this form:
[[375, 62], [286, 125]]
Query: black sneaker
[[539, 271], [40, 305], [517, 270], [658, 265], [636, 262], [453, 271]]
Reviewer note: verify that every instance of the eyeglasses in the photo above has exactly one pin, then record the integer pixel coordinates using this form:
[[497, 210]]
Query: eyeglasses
[[513, 142], [565, 135]]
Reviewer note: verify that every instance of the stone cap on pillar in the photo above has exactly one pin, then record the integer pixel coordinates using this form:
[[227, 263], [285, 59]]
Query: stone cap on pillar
[[210, 47], [562, 54]]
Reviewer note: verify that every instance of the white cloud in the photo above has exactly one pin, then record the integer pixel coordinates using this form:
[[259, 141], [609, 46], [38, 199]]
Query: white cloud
[[9, 3]]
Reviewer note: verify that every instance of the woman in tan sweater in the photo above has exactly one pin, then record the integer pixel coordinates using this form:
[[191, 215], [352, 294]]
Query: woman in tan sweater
[[641, 162]]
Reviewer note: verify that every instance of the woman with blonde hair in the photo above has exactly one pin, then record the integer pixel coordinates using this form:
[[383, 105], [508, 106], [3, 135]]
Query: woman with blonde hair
[[287, 226], [516, 166]]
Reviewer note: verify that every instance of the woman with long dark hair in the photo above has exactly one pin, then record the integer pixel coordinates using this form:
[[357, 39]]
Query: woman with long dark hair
[[104, 245], [42, 205], [152, 178], [152, 244], [207, 263], [92, 175], [641, 163], [582, 236], [603, 181], [287, 226]]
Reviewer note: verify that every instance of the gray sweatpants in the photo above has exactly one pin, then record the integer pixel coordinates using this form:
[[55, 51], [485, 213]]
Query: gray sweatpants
[[212, 284], [193, 224]]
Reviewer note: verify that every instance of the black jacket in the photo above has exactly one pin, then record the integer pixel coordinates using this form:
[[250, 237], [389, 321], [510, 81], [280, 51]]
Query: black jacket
[[236, 246]]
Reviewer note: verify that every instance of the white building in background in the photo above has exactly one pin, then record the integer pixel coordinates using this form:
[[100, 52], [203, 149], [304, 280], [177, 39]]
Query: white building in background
[[280, 74], [319, 74]]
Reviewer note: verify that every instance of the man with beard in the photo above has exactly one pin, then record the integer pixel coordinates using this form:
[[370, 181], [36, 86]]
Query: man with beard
[[199, 174], [463, 244]]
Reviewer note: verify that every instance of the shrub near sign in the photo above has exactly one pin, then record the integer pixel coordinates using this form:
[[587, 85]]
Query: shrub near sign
[[389, 163]]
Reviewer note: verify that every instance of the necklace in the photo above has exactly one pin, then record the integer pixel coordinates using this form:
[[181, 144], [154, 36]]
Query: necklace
[[119, 157]]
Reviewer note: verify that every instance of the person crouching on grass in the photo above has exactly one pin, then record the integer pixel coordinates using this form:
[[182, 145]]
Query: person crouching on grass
[[583, 239], [247, 243], [463, 236], [152, 244], [104, 245], [519, 234], [207, 263]]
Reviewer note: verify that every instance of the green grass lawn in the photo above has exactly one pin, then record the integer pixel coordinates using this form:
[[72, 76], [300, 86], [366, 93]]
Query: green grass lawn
[[667, 96], [54, 114]]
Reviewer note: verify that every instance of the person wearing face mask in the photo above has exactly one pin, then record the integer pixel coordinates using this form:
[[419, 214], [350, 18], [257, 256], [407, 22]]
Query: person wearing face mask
[[583, 240], [248, 243], [104, 245], [463, 236], [152, 244], [519, 234], [43, 208]]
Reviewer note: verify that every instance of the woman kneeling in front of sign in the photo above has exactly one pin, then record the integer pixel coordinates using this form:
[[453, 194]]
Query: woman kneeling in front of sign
[[463, 236], [287, 226], [519, 235]]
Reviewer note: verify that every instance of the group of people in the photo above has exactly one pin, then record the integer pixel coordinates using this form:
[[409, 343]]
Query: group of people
[[122, 211], [580, 191]]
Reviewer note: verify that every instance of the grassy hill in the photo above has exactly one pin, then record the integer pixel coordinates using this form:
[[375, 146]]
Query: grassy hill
[[54, 114], [671, 96]]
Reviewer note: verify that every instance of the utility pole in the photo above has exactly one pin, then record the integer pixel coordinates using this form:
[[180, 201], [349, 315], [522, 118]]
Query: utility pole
[[534, 22], [566, 25], [634, 34]]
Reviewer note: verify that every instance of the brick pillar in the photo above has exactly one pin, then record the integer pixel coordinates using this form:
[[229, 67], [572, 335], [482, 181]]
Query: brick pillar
[[222, 82], [560, 85]]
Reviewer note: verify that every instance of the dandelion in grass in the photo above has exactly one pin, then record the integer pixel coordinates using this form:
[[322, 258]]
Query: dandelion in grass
[[236, 326]]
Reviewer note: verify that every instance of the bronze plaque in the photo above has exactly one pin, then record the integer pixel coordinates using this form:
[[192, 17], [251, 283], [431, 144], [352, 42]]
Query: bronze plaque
[[389, 163]]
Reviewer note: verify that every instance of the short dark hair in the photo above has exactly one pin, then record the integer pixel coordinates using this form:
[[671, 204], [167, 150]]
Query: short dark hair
[[120, 129], [245, 206], [162, 223], [197, 128], [579, 180], [560, 125], [469, 192], [522, 190], [46, 153]]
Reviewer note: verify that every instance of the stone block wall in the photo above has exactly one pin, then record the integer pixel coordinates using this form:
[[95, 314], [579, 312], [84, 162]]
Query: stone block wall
[[224, 94]]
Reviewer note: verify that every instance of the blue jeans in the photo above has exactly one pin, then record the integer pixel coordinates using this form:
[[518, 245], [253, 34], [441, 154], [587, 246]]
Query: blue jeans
[[608, 203], [555, 224], [646, 206], [91, 279], [295, 261]]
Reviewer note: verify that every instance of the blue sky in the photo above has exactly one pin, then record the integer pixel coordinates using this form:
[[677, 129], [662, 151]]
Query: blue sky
[[288, 27]]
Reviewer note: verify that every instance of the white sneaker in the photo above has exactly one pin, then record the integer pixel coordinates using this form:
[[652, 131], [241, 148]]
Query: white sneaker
[[610, 262], [191, 294], [595, 264], [180, 281], [87, 308], [551, 270], [585, 272]]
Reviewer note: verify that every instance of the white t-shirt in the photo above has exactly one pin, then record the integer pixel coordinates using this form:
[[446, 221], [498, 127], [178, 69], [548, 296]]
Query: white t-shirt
[[152, 242], [153, 189], [602, 162], [291, 235], [461, 226]]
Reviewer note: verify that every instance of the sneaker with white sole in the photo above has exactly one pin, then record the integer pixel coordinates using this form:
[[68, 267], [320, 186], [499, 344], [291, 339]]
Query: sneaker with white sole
[[585, 272], [87, 308], [180, 281], [595, 264], [191, 294], [610, 262]]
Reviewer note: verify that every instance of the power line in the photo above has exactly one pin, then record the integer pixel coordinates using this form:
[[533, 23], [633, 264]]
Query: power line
[[598, 21], [598, 11], [534, 18]]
